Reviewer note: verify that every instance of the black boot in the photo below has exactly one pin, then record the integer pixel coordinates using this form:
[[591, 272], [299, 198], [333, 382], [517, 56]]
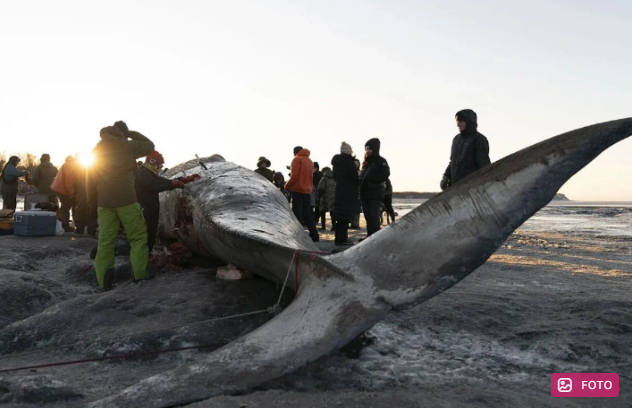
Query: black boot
[[108, 278]]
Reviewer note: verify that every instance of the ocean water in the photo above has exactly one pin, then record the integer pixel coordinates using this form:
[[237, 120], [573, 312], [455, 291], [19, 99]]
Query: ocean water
[[611, 218]]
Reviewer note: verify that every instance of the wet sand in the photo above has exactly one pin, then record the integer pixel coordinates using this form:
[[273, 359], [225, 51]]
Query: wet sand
[[546, 302]]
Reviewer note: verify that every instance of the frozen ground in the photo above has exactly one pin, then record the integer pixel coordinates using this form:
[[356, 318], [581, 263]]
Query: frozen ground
[[555, 298]]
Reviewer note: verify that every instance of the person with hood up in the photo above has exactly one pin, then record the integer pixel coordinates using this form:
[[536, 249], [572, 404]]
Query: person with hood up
[[470, 150], [263, 168], [114, 167], [10, 181], [375, 172], [346, 203], [148, 185], [300, 185], [43, 177], [326, 196], [279, 182]]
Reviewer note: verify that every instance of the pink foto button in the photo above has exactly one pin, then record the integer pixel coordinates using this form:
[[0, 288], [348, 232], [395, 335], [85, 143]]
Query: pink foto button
[[585, 385]]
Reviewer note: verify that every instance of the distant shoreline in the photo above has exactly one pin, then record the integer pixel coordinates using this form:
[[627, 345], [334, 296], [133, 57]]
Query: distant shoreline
[[424, 195]]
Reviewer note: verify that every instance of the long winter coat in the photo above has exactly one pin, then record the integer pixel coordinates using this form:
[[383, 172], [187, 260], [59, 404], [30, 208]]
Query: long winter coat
[[326, 191], [346, 203]]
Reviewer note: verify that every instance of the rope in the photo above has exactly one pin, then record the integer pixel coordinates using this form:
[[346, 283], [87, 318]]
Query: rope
[[274, 309]]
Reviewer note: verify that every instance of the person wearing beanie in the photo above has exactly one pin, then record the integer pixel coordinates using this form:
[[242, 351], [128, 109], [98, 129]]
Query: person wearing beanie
[[470, 150], [301, 186], [148, 185], [43, 177], [113, 172], [375, 172], [10, 181], [346, 203], [263, 165]]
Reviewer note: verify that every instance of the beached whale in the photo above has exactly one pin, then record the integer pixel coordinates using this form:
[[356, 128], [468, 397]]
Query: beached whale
[[238, 216]]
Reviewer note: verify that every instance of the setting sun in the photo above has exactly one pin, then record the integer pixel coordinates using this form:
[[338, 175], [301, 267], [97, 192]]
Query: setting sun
[[86, 159]]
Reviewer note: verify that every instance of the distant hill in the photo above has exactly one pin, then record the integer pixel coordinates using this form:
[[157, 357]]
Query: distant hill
[[421, 195]]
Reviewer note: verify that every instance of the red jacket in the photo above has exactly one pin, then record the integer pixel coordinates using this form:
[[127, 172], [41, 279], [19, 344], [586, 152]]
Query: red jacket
[[302, 174]]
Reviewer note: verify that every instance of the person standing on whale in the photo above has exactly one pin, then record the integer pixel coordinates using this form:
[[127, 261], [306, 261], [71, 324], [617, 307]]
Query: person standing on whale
[[470, 150]]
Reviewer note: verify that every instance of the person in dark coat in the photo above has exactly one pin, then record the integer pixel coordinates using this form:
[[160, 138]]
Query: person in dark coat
[[388, 201], [346, 196], [43, 177], [470, 150], [10, 182], [318, 175], [263, 165], [375, 172], [83, 215], [148, 185], [279, 182], [326, 196]]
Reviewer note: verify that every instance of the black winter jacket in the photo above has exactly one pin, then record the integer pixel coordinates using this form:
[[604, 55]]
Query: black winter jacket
[[470, 152], [148, 186], [346, 203], [373, 178]]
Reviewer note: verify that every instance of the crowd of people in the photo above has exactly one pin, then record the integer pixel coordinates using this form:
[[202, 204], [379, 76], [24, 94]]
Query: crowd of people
[[350, 188], [120, 191]]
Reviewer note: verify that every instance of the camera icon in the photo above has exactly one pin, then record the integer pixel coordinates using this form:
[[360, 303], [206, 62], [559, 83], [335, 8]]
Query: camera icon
[[564, 385]]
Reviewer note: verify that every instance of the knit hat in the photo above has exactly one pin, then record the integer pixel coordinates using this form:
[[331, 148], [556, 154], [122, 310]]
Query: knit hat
[[345, 148], [264, 160], [374, 144], [154, 158]]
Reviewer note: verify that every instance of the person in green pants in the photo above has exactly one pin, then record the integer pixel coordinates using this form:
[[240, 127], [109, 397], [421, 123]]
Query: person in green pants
[[114, 166]]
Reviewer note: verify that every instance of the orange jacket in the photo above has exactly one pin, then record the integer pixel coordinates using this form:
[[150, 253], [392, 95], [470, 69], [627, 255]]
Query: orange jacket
[[63, 182], [302, 174]]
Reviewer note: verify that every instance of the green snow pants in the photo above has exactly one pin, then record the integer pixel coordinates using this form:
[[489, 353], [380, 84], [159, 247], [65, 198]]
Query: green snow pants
[[110, 219]]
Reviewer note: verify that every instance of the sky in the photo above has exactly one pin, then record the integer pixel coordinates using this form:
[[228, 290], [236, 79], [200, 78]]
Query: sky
[[255, 78]]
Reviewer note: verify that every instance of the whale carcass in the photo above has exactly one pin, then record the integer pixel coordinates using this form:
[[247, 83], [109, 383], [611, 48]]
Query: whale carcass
[[235, 215]]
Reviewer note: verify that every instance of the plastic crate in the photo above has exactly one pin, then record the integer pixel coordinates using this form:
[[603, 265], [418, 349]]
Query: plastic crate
[[34, 223]]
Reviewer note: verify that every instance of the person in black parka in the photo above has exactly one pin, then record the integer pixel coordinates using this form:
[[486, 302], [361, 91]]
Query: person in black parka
[[346, 196], [375, 172], [470, 150]]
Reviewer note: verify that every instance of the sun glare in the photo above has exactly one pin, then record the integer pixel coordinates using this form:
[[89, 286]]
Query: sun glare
[[86, 159]]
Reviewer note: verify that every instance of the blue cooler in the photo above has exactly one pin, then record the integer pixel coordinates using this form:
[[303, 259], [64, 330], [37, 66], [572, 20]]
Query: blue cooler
[[34, 223]]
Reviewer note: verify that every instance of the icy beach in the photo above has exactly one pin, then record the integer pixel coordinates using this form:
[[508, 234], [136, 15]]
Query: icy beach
[[554, 298]]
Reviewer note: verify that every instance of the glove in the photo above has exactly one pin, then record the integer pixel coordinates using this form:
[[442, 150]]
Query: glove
[[178, 184], [445, 183]]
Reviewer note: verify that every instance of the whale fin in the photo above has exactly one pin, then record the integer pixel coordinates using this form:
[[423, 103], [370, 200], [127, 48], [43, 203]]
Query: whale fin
[[452, 234]]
